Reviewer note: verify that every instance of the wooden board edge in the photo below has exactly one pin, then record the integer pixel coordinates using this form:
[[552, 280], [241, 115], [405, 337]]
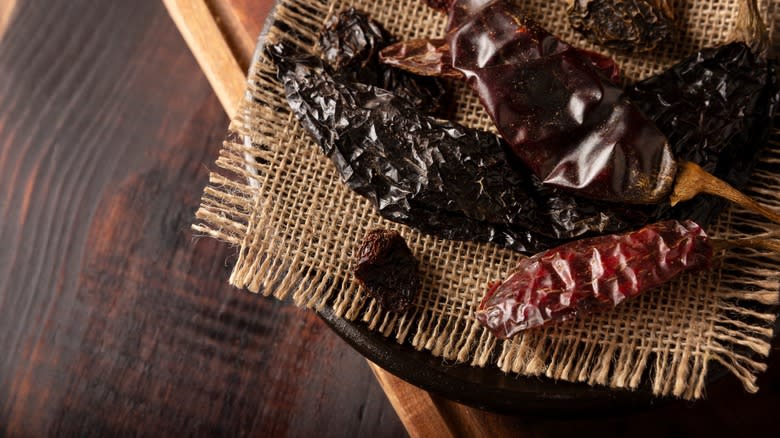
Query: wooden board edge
[[210, 47]]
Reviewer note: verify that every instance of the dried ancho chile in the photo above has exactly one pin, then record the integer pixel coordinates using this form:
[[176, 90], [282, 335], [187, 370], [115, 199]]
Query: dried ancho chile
[[628, 25], [597, 274], [387, 269], [562, 116], [351, 41], [431, 174]]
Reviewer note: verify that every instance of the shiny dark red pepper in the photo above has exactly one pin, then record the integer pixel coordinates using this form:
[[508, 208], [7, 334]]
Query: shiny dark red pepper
[[564, 118], [716, 109], [592, 274]]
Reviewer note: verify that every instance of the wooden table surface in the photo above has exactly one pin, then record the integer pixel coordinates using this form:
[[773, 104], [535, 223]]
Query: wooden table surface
[[115, 319]]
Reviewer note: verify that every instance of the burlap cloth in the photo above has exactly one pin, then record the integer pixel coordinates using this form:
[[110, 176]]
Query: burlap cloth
[[281, 202]]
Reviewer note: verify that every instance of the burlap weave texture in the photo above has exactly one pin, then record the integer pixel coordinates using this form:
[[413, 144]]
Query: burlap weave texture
[[296, 224]]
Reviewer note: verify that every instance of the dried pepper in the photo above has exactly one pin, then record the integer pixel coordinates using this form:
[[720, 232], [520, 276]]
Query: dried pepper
[[564, 119], [716, 108], [629, 25], [569, 124], [387, 269], [434, 175], [597, 274]]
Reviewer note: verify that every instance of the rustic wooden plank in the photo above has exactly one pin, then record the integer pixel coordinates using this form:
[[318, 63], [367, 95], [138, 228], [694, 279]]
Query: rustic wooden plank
[[250, 14], [415, 407], [114, 317], [7, 8], [211, 48], [235, 26]]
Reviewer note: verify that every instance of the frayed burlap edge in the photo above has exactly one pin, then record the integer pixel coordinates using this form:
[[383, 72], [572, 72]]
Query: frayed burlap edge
[[295, 224]]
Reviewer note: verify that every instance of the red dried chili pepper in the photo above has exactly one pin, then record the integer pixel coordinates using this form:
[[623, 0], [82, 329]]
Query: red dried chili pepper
[[599, 273], [592, 274], [573, 127]]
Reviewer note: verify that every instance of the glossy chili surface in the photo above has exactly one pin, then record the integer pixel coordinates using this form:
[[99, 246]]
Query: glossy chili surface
[[716, 107], [562, 116], [350, 43]]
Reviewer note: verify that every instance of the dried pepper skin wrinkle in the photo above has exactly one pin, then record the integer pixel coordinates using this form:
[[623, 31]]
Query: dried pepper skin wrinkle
[[592, 275], [716, 109], [571, 126], [351, 40], [568, 123], [387, 269], [628, 25], [433, 175]]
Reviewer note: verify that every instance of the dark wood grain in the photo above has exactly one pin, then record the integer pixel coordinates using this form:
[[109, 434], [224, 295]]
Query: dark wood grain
[[114, 318], [727, 412]]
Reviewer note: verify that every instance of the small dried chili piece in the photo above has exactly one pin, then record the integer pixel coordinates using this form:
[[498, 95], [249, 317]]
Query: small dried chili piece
[[434, 175], [591, 275], [387, 269], [351, 40], [629, 25]]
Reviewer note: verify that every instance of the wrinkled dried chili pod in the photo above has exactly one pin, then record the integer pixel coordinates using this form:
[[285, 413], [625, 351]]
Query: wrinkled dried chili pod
[[628, 25], [716, 109], [457, 10], [387, 269], [434, 175], [592, 275], [350, 43], [351, 40], [599, 273]]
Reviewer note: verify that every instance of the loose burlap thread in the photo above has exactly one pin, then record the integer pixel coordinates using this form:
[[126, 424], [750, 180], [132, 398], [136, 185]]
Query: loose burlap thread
[[296, 225]]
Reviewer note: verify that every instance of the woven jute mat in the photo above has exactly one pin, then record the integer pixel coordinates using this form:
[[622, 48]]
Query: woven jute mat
[[296, 225]]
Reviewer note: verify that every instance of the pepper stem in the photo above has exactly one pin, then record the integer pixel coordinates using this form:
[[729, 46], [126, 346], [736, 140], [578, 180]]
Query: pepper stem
[[692, 180]]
